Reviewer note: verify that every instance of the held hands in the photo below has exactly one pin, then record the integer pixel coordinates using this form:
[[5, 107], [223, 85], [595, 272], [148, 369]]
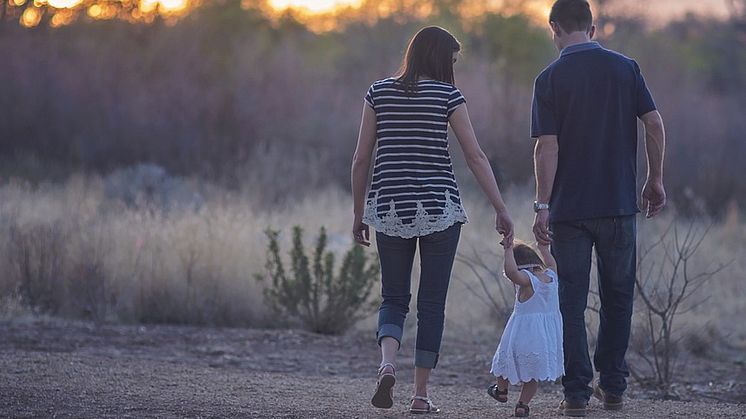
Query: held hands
[[541, 228], [653, 197], [361, 232]]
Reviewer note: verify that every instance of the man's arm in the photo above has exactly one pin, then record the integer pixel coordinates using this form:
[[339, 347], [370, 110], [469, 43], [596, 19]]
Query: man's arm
[[654, 193], [546, 153]]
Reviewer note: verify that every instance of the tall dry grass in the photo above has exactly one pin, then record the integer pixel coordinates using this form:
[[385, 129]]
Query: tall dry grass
[[79, 250], [71, 250]]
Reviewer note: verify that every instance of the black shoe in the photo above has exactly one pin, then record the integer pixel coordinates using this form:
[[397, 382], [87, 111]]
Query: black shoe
[[610, 401], [573, 408]]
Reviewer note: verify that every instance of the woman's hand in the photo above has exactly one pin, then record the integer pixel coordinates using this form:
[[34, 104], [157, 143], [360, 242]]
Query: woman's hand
[[504, 226], [361, 232]]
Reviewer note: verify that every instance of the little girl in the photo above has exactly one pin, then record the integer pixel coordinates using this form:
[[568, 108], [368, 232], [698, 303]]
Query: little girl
[[530, 349]]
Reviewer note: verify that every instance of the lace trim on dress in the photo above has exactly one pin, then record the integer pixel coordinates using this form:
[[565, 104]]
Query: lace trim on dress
[[520, 368], [422, 223]]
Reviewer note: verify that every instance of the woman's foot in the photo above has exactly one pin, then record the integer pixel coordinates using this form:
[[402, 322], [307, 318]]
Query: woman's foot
[[383, 398], [423, 405]]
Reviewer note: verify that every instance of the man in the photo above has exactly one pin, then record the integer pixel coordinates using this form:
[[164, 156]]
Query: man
[[584, 117]]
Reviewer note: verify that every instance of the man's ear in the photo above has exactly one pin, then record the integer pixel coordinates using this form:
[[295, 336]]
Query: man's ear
[[556, 28], [592, 32]]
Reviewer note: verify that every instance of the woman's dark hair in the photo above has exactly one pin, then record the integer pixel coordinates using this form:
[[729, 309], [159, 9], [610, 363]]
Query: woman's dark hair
[[430, 54], [572, 15], [526, 255]]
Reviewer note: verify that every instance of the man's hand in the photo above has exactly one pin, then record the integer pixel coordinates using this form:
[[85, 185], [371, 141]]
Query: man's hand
[[653, 198], [361, 232], [541, 228], [504, 226]]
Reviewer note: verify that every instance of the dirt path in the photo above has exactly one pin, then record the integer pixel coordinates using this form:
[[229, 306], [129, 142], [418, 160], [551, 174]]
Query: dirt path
[[56, 369]]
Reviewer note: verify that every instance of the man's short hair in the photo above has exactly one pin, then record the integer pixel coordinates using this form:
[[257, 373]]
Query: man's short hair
[[572, 15]]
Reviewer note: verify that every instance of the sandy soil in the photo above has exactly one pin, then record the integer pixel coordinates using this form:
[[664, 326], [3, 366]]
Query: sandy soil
[[51, 368]]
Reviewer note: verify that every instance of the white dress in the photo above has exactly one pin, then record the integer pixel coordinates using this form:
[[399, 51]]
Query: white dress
[[531, 344]]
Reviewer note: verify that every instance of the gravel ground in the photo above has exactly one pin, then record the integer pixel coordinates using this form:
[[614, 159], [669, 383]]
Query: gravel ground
[[51, 368]]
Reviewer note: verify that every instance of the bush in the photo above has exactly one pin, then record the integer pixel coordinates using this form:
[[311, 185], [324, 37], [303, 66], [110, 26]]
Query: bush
[[667, 287], [322, 302], [37, 255]]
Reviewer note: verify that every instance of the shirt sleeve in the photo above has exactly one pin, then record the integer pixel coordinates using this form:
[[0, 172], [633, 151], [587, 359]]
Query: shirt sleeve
[[455, 99], [369, 98], [645, 102], [543, 120]]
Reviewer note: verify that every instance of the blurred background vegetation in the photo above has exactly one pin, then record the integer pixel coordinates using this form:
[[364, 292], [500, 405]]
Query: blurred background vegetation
[[247, 96], [147, 146]]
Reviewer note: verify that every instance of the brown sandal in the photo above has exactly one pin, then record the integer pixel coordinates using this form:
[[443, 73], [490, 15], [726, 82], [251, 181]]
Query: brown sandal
[[523, 412], [383, 398], [497, 394]]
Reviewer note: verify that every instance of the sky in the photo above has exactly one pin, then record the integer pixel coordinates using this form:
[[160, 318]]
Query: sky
[[658, 11], [670, 9], [665, 9]]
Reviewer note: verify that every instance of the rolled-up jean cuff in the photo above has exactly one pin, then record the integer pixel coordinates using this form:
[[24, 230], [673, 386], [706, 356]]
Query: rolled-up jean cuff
[[425, 359], [391, 331]]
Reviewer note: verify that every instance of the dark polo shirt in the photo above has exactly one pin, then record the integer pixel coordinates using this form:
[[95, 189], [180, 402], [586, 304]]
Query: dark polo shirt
[[591, 97]]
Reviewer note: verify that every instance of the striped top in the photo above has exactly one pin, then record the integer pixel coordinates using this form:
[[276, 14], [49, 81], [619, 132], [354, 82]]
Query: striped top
[[414, 191]]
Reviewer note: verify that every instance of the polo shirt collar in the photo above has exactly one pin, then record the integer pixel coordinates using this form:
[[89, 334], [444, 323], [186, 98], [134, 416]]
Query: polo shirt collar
[[585, 46]]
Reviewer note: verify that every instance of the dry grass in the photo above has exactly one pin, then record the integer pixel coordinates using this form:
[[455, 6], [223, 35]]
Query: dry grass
[[75, 250]]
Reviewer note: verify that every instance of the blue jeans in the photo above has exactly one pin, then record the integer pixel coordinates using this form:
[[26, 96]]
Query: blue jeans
[[615, 242], [437, 251]]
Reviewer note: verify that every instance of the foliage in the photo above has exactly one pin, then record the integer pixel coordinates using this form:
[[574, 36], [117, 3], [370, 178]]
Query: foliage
[[37, 255], [227, 91], [487, 268], [324, 302], [666, 288]]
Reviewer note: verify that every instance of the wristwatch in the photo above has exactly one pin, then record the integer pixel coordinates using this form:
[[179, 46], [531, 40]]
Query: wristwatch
[[538, 207]]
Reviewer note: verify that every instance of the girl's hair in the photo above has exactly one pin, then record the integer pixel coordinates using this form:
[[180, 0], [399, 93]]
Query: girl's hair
[[430, 54], [526, 255]]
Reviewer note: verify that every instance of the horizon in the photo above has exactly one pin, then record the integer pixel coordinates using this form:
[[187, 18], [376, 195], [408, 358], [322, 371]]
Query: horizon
[[325, 15]]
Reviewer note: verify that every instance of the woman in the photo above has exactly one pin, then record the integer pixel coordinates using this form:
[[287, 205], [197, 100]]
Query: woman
[[414, 198]]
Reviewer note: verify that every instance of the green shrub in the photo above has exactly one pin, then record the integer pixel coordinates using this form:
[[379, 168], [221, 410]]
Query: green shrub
[[311, 293]]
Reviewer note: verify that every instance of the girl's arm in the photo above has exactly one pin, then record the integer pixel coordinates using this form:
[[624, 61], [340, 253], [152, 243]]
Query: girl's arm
[[480, 166], [366, 142], [546, 254], [511, 269]]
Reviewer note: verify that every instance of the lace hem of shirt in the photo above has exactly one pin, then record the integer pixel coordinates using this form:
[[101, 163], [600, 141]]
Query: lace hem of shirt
[[422, 223]]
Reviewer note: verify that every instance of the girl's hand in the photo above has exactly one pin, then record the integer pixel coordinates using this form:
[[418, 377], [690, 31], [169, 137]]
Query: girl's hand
[[361, 232]]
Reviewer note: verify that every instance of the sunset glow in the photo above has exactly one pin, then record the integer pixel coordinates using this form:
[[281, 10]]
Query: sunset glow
[[30, 17], [165, 5], [63, 4], [326, 15], [313, 6]]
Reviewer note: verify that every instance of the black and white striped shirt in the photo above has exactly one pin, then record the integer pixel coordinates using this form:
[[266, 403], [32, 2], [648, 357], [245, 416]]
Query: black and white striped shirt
[[414, 191]]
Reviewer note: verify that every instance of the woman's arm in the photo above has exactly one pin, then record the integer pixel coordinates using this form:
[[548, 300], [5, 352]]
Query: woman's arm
[[480, 167], [366, 142], [546, 254], [511, 269]]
